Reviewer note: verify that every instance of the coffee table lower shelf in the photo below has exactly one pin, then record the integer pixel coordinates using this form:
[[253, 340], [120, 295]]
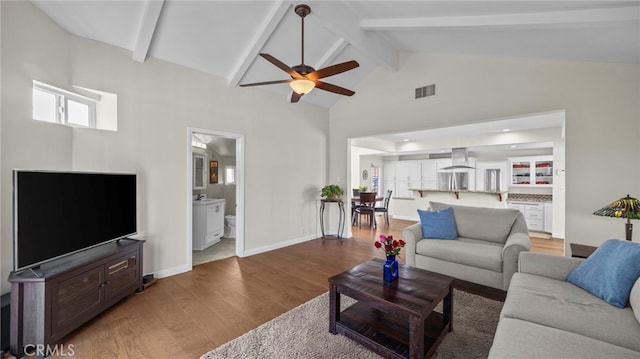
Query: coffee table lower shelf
[[388, 335]]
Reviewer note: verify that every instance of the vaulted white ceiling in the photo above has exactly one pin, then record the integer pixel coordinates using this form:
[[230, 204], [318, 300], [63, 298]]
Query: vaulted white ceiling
[[224, 38]]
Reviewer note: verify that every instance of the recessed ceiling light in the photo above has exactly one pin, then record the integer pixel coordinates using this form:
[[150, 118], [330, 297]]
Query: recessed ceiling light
[[505, 130], [406, 140], [513, 146]]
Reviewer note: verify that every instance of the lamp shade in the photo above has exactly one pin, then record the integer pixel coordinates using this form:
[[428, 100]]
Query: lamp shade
[[626, 207], [302, 86]]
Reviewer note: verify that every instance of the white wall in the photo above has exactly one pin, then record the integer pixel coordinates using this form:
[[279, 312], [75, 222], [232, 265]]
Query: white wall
[[157, 102], [33, 48], [602, 112]]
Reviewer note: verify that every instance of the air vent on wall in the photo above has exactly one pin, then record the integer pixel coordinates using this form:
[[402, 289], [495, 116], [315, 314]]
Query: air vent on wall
[[426, 91]]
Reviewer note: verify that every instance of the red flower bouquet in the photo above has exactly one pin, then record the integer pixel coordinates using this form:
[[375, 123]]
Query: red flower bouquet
[[391, 246]]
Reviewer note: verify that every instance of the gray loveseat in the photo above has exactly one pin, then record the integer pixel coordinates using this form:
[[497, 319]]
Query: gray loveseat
[[546, 317], [486, 251]]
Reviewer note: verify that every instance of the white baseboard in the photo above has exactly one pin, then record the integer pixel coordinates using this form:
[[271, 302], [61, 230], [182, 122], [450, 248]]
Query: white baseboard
[[171, 271], [184, 268], [407, 218], [279, 245]]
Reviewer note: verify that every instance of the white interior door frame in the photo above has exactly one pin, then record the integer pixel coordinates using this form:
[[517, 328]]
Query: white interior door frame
[[239, 188]]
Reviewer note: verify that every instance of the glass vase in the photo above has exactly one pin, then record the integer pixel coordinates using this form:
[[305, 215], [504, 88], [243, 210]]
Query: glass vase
[[390, 269]]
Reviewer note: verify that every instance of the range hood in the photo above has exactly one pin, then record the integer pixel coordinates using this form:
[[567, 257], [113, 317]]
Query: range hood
[[459, 159]]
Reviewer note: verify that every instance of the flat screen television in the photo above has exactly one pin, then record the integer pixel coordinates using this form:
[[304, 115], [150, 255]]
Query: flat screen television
[[60, 213]]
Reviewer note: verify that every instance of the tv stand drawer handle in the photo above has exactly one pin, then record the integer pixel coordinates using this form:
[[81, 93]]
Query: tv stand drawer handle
[[119, 266]]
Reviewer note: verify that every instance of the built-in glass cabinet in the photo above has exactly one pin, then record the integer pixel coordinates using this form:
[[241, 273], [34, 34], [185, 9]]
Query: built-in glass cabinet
[[532, 171], [199, 171]]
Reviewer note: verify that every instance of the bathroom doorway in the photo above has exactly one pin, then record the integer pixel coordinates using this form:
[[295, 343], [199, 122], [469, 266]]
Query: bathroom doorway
[[216, 192]]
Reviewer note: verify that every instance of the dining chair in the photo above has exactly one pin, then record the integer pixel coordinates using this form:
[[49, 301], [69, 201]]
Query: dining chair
[[385, 207], [367, 207], [355, 202]]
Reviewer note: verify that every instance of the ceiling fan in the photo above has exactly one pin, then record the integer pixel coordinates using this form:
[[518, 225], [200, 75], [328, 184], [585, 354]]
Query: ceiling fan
[[305, 78]]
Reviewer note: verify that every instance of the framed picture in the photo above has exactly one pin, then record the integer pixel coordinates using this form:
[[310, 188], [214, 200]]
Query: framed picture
[[213, 171]]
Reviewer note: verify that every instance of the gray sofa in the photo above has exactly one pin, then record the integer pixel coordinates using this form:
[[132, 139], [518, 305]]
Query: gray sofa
[[546, 317], [486, 251]]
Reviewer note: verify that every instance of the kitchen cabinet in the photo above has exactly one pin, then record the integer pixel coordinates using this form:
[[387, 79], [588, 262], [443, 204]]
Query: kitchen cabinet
[[548, 217], [429, 174], [389, 178], [531, 171], [388, 171], [208, 222], [403, 176], [408, 175], [534, 214]]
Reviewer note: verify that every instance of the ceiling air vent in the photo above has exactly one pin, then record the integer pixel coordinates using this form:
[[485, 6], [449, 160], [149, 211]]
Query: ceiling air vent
[[426, 91]]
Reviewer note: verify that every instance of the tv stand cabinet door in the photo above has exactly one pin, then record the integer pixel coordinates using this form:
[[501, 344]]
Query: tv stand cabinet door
[[123, 275], [75, 298]]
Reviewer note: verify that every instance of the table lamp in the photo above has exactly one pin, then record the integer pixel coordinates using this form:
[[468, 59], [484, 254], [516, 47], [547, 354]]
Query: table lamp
[[626, 207]]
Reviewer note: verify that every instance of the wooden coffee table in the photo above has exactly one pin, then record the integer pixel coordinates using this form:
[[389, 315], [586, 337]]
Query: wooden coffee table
[[395, 321]]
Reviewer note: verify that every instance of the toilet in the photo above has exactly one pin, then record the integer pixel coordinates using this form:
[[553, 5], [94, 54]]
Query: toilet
[[230, 226]]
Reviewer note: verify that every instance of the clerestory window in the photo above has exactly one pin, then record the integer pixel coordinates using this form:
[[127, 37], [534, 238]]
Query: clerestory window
[[51, 104]]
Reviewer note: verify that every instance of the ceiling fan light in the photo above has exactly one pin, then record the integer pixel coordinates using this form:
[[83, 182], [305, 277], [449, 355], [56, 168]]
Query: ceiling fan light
[[302, 86]]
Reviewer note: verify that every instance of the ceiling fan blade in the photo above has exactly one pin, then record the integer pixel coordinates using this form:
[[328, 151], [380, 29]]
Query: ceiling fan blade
[[333, 70], [295, 97], [282, 66], [266, 83], [334, 88]]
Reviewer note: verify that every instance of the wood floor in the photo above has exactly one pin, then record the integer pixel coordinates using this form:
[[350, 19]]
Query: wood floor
[[186, 315]]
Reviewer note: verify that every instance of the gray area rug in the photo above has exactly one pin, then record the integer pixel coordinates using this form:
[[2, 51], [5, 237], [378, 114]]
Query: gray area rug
[[303, 332]]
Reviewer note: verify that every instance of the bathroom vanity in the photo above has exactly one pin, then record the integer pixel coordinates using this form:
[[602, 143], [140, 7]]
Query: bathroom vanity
[[208, 222]]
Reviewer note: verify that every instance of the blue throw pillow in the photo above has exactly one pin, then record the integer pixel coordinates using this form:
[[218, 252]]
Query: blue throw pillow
[[610, 272], [438, 224]]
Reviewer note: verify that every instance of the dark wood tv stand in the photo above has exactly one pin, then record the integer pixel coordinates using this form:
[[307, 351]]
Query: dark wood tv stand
[[70, 291]]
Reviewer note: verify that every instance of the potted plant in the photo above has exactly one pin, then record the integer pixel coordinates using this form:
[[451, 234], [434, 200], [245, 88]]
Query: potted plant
[[331, 192]]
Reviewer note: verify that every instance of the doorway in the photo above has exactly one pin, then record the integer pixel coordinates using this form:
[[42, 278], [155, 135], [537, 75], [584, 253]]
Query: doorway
[[215, 195]]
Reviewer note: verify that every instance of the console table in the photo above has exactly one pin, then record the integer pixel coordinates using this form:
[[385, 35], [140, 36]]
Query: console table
[[63, 294], [341, 219], [581, 250]]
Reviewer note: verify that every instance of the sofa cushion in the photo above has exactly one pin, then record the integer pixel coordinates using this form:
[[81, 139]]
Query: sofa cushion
[[489, 224], [564, 306], [474, 253], [634, 299], [438, 224], [610, 272], [521, 339]]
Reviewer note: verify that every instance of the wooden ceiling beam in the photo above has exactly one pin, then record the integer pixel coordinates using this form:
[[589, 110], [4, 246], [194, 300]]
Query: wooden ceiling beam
[[262, 34], [331, 54], [338, 18], [526, 19], [148, 24]]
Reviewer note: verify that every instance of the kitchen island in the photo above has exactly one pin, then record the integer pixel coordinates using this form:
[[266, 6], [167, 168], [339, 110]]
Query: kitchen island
[[457, 192], [406, 207]]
